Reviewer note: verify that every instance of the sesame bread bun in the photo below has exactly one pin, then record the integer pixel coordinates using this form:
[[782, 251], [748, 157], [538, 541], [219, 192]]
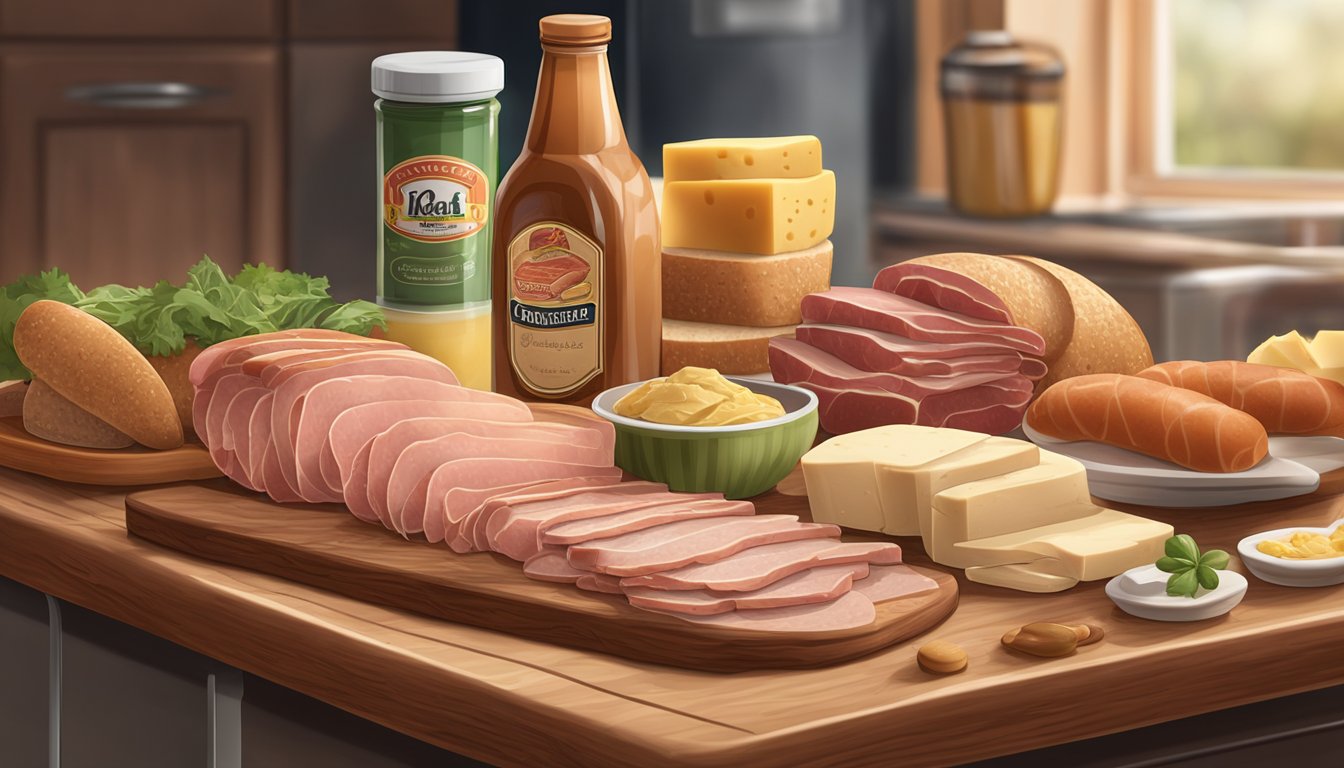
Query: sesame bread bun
[[88, 363]]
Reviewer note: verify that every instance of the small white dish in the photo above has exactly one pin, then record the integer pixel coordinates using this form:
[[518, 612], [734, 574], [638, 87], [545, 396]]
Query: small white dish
[[1142, 592], [1288, 572], [1122, 475]]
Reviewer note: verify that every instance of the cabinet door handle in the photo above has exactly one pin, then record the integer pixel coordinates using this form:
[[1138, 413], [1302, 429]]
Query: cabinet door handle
[[165, 95]]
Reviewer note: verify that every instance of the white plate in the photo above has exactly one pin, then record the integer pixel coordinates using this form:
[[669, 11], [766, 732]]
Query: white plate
[[1121, 475], [1287, 572], [1142, 592]]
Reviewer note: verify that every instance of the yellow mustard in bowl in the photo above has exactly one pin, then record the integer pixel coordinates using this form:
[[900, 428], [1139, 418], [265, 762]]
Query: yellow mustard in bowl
[[1305, 545], [697, 397]]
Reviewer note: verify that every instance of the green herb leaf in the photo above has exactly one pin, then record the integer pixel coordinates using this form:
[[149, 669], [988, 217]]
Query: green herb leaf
[[1207, 577], [1182, 546], [1183, 584], [1174, 564], [1214, 558]]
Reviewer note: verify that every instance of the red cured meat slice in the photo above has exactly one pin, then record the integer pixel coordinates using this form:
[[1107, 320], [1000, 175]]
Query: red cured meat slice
[[848, 611], [760, 566], [213, 357], [464, 503], [994, 408], [1034, 368], [945, 289], [888, 582], [885, 352], [599, 582], [470, 535], [793, 362], [673, 545], [815, 585], [882, 311], [579, 531], [549, 275], [515, 530]]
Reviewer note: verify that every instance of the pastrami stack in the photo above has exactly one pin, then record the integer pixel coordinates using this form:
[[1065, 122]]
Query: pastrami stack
[[923, 346]]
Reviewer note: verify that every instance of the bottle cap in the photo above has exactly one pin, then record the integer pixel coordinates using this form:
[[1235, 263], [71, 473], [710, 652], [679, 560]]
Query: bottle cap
[[437, 77], [575, 29]]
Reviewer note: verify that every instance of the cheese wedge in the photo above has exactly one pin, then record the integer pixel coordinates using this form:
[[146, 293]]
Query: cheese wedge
[[1325, 351], [1053, 491], [778, 157], [1291, 350], [765, 216], [1098, 546], [1048, 574], [991, 458]]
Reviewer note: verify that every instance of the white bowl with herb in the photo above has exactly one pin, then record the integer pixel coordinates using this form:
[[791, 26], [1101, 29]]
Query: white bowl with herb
[[1183, 585]]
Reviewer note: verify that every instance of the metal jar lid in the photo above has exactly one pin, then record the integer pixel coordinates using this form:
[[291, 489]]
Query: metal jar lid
[[437, 77], [990, 64]]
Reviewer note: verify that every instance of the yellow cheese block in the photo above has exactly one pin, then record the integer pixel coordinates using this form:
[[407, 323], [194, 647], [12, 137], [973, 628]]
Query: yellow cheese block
[[852, 480], [1097, 546], [885, 478], [1291, 350], [1048, 574], [764, 216], [775, 157], [1053, 491]]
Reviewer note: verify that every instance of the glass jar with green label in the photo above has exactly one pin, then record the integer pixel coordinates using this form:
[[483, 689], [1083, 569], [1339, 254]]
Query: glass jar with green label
[[438, 152]]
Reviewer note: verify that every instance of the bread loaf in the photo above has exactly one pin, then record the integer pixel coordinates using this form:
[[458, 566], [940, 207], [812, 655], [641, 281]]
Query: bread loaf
[[11, 398], [88, 363], [742, 289], [51, 417], [730, 349], [1152, 418]]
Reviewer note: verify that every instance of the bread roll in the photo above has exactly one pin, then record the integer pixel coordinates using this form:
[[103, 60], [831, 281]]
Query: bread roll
[[1159, 420], [51, 417], [1284, 400], [91, 365], [730, 349], [11, 398], [174, 370]]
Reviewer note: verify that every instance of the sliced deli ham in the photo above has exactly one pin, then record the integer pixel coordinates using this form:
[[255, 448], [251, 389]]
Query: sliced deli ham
[[471, 535], [763, 565], [794, 362], [848, 611], [945, 289], [606, 526], [878, 351], [882, 311], [815, 585], [673, 545], [889, 582]]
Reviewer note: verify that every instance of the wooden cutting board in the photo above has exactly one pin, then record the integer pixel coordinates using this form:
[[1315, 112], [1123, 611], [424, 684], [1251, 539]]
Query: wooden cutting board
[[324, 546], [123, 466]]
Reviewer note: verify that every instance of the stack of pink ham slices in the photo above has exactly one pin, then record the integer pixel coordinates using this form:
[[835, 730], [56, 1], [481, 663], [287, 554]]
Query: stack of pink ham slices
[[922, 346], [321, 416]]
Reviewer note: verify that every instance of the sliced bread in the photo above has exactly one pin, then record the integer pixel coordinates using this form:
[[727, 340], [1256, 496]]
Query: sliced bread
[[742, 289], [730, 349]]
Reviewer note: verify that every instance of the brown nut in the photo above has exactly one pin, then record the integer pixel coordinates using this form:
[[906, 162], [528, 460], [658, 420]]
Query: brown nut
[[1088, 634], [941, 657], [1043, 639]]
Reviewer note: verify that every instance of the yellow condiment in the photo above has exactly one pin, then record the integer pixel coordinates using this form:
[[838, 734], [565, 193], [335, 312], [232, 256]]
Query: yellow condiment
[[1306, 546], [459, 338], [697, 397]]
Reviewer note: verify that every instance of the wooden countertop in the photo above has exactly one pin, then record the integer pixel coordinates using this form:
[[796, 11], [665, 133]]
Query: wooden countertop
[[518, 702]]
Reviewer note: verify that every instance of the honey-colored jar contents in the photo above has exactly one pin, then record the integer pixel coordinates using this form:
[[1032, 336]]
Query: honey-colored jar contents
[[575, 269]]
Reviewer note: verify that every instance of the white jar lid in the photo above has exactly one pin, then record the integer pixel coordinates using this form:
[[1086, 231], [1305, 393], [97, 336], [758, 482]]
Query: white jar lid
[[437, 77]]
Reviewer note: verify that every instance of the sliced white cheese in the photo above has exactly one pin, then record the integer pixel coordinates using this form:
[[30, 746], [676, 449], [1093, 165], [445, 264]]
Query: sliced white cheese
[[992, 458], [865, 480], [1047, 574], [1097, 546], [1292, 350], [1053, 491]]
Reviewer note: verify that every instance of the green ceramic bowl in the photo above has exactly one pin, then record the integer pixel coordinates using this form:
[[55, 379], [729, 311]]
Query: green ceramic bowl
[[739, 461]]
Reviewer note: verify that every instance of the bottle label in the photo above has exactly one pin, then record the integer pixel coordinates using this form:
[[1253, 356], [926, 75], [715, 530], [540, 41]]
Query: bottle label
[[555, 308], [435, 199]]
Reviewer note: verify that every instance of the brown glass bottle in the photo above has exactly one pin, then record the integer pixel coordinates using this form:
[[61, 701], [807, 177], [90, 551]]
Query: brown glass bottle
[[575, 268]]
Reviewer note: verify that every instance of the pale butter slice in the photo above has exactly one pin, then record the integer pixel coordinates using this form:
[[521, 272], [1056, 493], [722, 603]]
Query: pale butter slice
[[1047, 574], [1097, 546], [1053, 491]]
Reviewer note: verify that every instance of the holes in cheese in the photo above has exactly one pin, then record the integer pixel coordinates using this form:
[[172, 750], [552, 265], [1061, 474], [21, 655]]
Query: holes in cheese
[[749, 215], [770, 157]]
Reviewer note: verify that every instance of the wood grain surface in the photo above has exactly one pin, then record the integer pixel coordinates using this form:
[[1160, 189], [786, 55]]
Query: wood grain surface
[[328, 548], [519, 702], [121, 467]]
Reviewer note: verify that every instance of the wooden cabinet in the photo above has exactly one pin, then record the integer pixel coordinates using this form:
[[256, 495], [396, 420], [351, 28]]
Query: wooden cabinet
[[126, 164]]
